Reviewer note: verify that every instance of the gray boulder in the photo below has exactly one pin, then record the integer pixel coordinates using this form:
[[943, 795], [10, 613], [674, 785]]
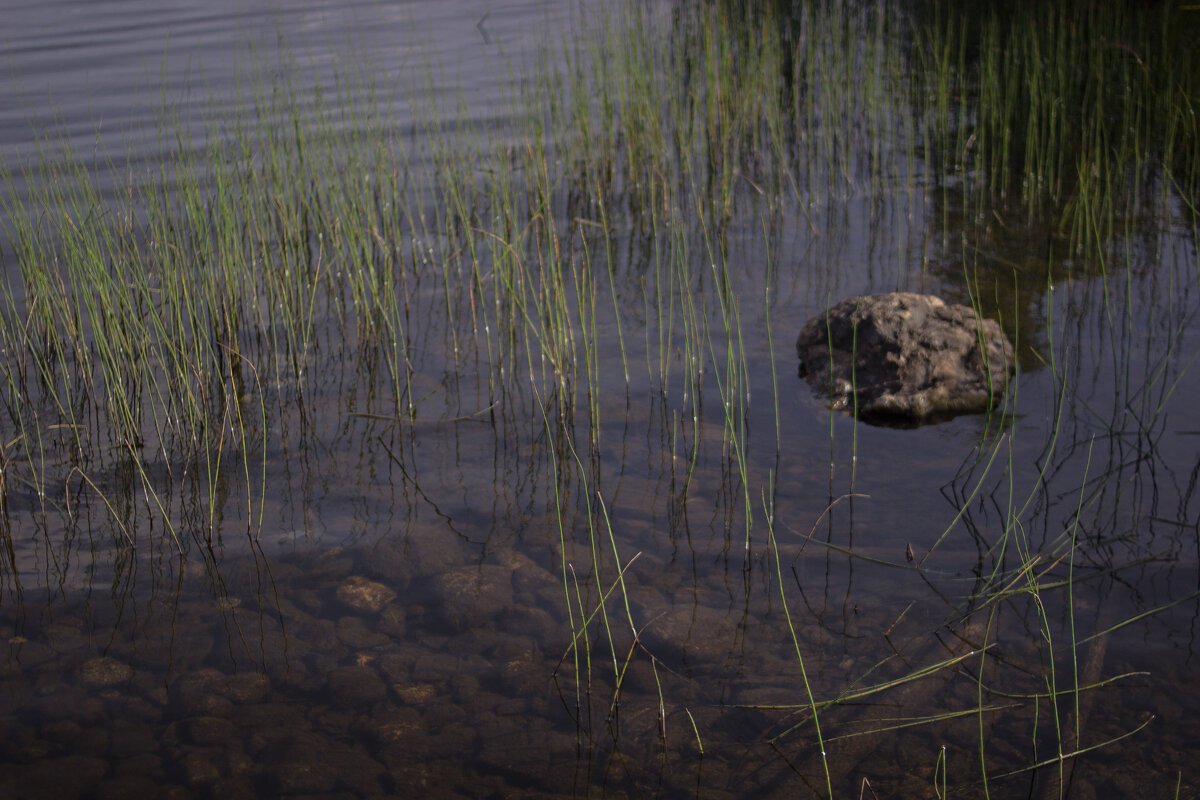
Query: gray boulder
[[905, 356]]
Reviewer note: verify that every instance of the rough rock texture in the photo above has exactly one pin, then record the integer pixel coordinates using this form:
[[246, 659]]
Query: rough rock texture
[[906, 356], [104, 672], [364, 595]]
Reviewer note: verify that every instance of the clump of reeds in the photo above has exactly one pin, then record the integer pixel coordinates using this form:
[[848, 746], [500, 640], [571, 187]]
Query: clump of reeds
[[1042, 107]]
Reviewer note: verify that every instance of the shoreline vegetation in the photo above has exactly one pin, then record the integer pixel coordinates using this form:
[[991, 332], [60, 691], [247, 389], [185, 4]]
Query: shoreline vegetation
[[583, 259]]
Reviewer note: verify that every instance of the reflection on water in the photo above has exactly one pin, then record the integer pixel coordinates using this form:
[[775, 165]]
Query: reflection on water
[[497, 598], [101, 75]]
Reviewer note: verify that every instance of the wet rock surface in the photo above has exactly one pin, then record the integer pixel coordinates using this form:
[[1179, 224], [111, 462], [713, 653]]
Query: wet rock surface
[[905, 356]]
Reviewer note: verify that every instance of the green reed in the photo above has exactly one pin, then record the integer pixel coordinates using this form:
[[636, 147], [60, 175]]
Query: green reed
[[1059, 103]]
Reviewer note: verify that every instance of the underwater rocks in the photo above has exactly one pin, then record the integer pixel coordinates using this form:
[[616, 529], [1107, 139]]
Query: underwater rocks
[[690, 634], [905, 356], [364, 595], [469, 596], [104, 671]]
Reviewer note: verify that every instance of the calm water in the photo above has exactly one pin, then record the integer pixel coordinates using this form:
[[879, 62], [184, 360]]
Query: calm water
[[403, 621]]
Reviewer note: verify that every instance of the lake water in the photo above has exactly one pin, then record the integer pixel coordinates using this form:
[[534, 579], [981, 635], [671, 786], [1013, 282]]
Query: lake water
[[460, 605]]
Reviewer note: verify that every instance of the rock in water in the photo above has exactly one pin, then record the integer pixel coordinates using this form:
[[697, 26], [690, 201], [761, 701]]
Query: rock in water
[[906, 356], [365, 596], [105, 672], [471, 596]]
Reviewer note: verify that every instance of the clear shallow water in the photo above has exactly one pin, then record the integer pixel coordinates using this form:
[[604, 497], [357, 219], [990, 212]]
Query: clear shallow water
[[240, 663]]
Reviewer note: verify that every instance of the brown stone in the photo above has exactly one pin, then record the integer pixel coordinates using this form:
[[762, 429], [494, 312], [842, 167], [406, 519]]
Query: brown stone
[[389, 724], [363, 595], [245, 688], [471, 595], [211, 693], [198, 770], [396, 667], [694, 633], [208, 731], [435, 667], [905, 356], [392, 622], [104, 672], [416, 694]]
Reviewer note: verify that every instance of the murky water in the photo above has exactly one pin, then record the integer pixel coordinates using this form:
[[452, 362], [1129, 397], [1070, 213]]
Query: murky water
[[454, 608]]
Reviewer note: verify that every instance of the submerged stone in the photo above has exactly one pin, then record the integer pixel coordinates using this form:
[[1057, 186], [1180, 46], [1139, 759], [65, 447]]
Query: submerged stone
[[906, 356], [210, 693], [198, 770], [208, 731], [392, 622], [104, 671], [364, 595], [695, 633], [469, 596]]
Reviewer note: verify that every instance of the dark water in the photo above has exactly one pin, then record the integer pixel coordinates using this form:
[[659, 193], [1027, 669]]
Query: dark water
[[430, 610]]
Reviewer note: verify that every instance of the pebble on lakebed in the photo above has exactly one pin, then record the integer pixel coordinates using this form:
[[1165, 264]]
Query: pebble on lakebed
[[104, 671], [364, 595]]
